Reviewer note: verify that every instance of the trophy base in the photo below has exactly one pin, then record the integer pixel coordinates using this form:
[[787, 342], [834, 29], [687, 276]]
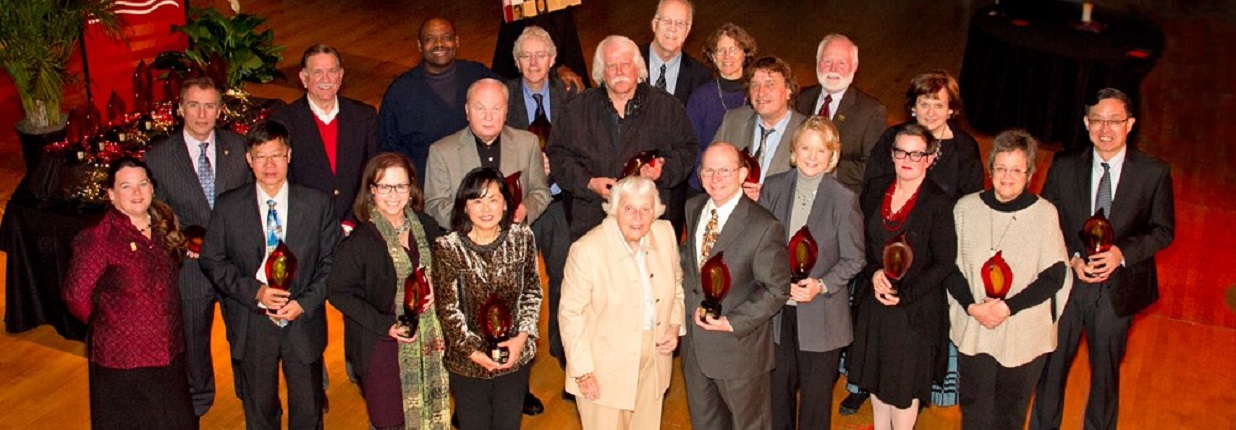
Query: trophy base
[[795, 279], [710, 310], [409, 324], [499, 354]]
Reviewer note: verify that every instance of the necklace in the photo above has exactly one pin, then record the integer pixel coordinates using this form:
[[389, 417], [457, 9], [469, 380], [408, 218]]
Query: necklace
[[992, 221], [894, 220], [721, 97]]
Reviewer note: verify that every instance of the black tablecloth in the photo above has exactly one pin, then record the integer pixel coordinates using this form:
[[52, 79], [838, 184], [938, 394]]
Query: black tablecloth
[[37, 238], [1029, 67]]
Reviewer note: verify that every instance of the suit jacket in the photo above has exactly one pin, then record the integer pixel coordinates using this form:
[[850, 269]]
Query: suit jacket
[[362, 286], [175, 173], [357, 142], [751, 238], [824, 323], [451, 158], [860, 119], [1143, 217], [602, 308], [236, 245], [738, 128], [691, 74], [517, 115]]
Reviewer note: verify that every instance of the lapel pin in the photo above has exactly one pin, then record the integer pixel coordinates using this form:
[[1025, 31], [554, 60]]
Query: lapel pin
[[227, 152], [133, 246], [840, 118]]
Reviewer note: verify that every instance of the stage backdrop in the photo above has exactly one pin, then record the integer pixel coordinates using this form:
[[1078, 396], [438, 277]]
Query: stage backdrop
[[147, 24]]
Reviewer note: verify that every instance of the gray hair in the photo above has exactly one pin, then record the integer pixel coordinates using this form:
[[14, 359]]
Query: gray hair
[[835, 37], [690, 6], [1015, 140], [632, 186], [534, 32], [506, 92], [624, 44]]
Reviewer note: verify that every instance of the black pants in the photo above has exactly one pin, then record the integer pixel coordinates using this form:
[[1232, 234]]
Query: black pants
[[490, 404], [553, 239], [199, 316], [1089, 311], [809, 374], [268, 349], [994, 396]]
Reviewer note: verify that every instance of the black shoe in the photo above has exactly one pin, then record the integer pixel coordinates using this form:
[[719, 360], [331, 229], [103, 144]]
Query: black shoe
[[568, 396], [532, 405], [852, 403], [454, 421]]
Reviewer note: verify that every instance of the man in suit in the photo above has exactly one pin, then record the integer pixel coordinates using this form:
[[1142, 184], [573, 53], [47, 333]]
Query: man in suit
[[766, 128], [486, 142], [859, 117], [333, 136], [604, 127], [1134, 191], [535, 53], [193, 168], [671, 69], [726, 361], [269, 327]]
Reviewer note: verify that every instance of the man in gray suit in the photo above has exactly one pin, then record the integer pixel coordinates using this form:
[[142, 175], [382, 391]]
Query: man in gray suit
[[766, 128], [486, 142], [726, 361], [192, 168], [859, 117]]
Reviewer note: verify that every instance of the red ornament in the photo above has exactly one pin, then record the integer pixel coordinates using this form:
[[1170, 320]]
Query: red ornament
[[997, 276], [803, 253]]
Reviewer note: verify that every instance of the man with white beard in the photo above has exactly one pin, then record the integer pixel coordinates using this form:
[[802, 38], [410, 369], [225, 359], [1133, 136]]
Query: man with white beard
[[859, 117]]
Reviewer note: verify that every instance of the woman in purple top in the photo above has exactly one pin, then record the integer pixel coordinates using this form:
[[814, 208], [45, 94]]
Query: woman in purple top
[[728, 51]]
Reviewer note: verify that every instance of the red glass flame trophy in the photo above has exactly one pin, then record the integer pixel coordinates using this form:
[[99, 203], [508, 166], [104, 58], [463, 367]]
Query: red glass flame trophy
[[495, 321], [715, 281], [541, 127], [195, 235], [753, 167], [1097, 234], [638, 161], [280, 269], [897, 260], [997, 276], [517, 191], [803, 253], [415, 294]]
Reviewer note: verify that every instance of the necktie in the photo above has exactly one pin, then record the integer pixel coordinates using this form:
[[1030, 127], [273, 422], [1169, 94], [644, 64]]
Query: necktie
[[540, 125], [759, 151], [1103, 201], [661, 79], [710, 237], [205, 175], [826, 109], [273, 228]]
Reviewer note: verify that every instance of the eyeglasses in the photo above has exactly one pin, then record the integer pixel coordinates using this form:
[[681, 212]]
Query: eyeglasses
[[732, 51], [673, 23], [1101, 123], [263, 159], [720, 173], [539, 55], [901, 154], [1001, 171], [389, 188]]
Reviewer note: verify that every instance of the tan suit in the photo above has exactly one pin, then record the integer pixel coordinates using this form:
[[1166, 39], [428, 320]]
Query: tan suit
[[601, 318], [451, 158]]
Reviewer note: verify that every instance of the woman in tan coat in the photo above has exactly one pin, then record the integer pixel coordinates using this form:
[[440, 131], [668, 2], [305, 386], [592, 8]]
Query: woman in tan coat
[[622, 311]]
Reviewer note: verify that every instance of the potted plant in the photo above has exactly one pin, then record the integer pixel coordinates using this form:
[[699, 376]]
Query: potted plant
[[36, 39], [249, 55]]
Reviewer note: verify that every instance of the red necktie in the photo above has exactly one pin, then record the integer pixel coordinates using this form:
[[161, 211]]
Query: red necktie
[[824, 110]]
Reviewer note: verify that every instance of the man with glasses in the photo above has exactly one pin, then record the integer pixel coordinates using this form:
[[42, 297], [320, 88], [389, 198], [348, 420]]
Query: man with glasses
[[727, 360], [766, 127], [1113, 285], [271, 328], [193, 168], [670, 69]]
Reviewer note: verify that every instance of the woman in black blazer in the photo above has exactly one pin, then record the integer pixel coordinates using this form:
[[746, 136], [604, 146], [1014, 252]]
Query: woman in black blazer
[[366, 285], [815, 324], [899, 336]]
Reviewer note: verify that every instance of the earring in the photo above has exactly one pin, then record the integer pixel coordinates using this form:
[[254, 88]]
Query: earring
[[913, 114]]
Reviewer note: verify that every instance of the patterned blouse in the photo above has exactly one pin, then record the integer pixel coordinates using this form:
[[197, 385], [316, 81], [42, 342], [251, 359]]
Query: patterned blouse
[[467, 274]]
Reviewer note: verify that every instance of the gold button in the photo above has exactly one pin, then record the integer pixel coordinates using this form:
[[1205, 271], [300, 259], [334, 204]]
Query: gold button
[[336, 192]]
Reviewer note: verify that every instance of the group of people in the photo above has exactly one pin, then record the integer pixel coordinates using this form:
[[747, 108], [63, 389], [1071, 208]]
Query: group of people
[[462, 180]]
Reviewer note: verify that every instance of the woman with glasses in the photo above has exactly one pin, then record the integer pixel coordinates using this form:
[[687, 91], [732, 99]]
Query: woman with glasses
[[933, 100], [1004, 342], [728, 51], [122, 283], [815, 324], [900, 325], [487, 262], [401, 373]]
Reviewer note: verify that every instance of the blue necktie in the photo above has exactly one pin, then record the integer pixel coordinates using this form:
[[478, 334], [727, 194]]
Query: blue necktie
[[273, 228], [205, 175]]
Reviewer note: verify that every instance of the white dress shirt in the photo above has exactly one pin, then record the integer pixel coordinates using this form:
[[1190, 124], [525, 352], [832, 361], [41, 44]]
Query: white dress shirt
[[832, 107], [723, 215], [1115, 167], [325, 115], [671, 69]]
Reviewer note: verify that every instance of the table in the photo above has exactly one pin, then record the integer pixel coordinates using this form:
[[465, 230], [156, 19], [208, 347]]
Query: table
[[1029, 67], [38, 237]]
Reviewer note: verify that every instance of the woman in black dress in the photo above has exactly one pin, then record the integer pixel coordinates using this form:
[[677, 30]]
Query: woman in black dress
[[899, 337]]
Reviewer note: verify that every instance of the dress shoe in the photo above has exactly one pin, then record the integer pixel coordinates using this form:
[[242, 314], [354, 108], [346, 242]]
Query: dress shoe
[[532, 405], [852, 403]]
